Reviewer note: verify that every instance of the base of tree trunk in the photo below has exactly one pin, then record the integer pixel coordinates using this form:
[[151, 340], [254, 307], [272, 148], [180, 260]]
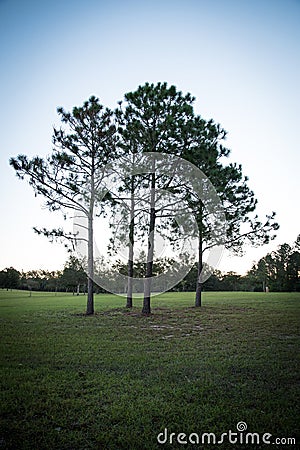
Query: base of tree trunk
[[198, 299], [146, 306], [129, 302], [90, 298]]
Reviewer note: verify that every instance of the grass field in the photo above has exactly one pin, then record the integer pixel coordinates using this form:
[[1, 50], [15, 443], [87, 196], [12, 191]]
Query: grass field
[[118, 379]]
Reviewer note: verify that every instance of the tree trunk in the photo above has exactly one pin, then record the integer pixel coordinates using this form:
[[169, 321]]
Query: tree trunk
[[130, 281], [198, 300], [149, 266], [90, 299], [131, 250]]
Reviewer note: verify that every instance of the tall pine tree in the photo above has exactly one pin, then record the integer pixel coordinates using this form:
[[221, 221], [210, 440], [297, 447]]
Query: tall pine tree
[[70, 177]]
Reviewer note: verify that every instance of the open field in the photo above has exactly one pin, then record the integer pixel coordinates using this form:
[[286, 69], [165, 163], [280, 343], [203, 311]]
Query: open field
[[117, 379]]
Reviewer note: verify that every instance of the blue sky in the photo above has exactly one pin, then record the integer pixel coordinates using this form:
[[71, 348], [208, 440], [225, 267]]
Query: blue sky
[[240, 59]]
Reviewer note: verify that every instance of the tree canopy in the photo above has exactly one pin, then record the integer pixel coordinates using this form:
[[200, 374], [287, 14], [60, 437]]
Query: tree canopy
[[70, 177]]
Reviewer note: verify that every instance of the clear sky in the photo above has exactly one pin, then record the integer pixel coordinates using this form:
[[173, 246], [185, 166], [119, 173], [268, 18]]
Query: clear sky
[[240, 59]]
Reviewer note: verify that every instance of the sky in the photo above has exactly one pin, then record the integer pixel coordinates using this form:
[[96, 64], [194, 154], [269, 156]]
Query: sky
[[240, 59]]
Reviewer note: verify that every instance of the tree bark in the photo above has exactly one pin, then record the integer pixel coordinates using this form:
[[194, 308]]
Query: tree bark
[[131, 250], [198, 299], [90, 298], [149, 266]]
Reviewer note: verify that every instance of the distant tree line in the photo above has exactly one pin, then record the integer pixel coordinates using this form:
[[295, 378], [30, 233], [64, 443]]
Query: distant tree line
[[278, 271], [71, 279]]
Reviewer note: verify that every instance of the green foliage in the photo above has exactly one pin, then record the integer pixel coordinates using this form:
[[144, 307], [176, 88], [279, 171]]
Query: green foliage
[[207, 152], [74, 274], [9, 278], [279, 270], [41, 280], [80, 151], [156, 119]]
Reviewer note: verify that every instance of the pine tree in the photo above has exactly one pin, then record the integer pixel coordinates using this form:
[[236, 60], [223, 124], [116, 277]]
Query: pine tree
[[70, 177]]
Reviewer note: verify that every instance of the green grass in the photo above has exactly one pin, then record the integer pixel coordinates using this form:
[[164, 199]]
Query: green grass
[[117, 379]]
